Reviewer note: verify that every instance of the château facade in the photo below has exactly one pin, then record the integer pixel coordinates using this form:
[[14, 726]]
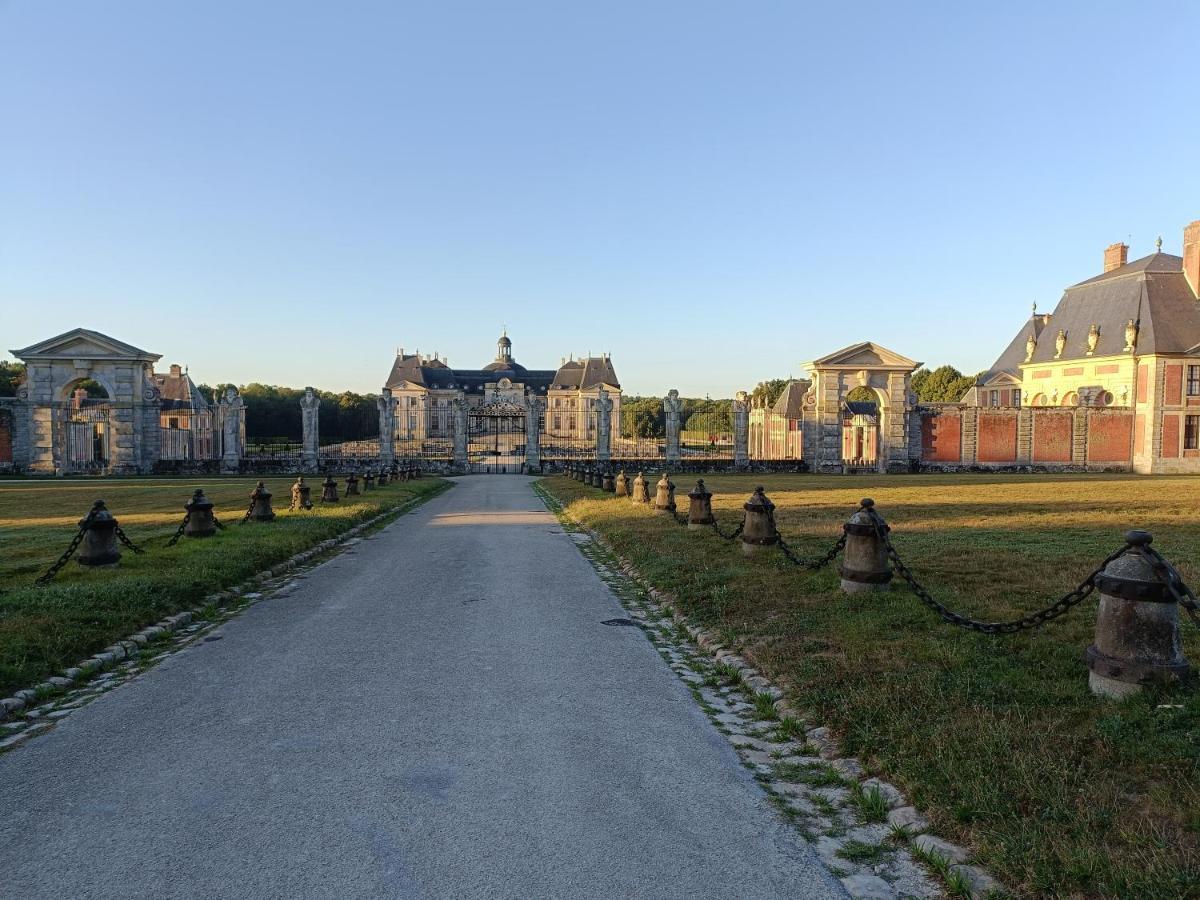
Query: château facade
[[426, 389]]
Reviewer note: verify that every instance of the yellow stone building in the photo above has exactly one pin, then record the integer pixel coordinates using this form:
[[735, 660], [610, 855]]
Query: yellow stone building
[[1127, 338]]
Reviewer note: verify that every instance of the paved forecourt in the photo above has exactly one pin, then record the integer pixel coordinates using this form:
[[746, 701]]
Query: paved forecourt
[[437, 712]]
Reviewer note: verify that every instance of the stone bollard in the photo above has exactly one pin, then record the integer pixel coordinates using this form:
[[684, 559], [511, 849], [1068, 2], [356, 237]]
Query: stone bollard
[[700, 507], [641, 492], [758, 523], [329, 492], [1137, 625], [260, 504], [369, 481], [301, 495], [664, 498], [383, 477], [200, 521], [585, 476], [621, 484], [608, 483], [99, 545], [865, 564], [597, 477], [352, 485]]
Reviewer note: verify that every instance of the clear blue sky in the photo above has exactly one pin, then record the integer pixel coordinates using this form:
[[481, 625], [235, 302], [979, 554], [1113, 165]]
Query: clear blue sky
[[713, 192]]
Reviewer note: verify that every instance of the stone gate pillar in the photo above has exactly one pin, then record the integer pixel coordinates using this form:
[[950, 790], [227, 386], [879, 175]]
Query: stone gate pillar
[[533, 433], [387, 426], [460, 435], [310, 442], [741, 430], [232, 410], [604, 409], [673, 407]]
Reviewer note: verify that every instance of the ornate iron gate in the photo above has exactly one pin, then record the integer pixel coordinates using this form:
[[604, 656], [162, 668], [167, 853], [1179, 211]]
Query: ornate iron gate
[[496, 438]]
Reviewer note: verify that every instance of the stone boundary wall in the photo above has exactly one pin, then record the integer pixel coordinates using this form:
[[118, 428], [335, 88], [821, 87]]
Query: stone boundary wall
[[1083, 439]]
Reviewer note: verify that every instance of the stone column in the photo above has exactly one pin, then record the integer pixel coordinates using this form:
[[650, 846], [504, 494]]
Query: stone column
[[233, 430], [310, 420], [533, 433], [673, 407], [460, 434], [386, 405], [604, 408], [741, 430]]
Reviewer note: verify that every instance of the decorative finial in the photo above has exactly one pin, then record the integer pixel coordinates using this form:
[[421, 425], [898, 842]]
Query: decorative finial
[[1158, 245], [1035, 307]]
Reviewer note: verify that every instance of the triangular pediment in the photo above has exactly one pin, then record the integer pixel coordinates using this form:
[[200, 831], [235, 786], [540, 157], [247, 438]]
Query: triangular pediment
[[1002, 378], [867, 355], [82, 343]]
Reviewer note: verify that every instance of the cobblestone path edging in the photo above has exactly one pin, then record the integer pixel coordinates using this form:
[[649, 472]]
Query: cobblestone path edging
[[35, 710], [862, 828]]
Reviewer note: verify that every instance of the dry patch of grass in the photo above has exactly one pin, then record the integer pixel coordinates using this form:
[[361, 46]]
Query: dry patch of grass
[[45, 629], [996, 738]]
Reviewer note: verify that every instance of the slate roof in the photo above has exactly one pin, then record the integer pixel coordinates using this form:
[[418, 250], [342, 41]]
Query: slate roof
[[179, 392], [790, 403], [1152, 291], [436, 375]]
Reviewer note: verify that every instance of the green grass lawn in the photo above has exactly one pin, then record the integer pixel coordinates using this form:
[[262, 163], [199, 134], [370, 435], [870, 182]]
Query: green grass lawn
[[997, 739], [46, 629]]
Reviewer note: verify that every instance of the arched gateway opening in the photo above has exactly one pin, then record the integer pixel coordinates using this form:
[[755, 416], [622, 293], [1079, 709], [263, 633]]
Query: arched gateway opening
[[496, 438], [83, 428]]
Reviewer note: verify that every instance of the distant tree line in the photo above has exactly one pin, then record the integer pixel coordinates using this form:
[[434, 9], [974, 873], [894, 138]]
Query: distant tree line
[[643, 417], [945, 384], [273, 413]]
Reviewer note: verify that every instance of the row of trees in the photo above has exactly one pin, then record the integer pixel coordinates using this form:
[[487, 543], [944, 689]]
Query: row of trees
[[273, 413], [643, 417]]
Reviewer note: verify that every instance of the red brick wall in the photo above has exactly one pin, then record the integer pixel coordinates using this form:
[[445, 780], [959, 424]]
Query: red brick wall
[[1174, 385], [1143, 378], [1108, 438], [1139, 435], [941, 438], [5, 437], [1170, 434], [997, 438], [1052, 436]]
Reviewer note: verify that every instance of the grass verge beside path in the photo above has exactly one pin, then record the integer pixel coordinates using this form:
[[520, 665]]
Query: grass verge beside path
[[46, 629], [996, 739]]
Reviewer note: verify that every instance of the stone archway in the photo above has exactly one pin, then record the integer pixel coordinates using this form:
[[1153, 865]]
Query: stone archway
[[888, 375], [122, 433]]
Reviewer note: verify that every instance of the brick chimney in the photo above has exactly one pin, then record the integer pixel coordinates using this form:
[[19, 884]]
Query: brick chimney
[[1191, 255], [176, 370], [1115, 256]]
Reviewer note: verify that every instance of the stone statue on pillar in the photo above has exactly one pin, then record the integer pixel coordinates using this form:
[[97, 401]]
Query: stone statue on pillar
[[604, 409], [310, 444], [741, 430], [533, 433], [673, 407], [386, 405], [460, 434], [232, 409]]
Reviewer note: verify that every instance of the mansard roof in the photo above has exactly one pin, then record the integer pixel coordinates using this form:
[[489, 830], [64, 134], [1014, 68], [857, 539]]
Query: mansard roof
[[1152, 291], [587, 373], [436, 375], [83, 343], [790, 402], [179, 392]]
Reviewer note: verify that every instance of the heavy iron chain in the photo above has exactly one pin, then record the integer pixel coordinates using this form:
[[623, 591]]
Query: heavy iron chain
[[126, 541], [249, 511], [680, 518], [1169, 576], [179, 531], [815, 563], [728, 535], [1033, 620], [70, 551]]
